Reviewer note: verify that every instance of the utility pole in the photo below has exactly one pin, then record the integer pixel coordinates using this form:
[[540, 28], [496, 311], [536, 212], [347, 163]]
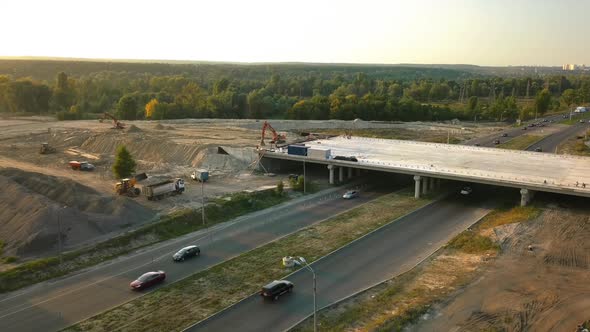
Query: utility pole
[[203, 200], [304, 177], [59, 234]]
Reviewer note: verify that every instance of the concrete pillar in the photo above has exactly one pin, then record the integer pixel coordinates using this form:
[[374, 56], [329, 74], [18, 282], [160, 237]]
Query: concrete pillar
[[431, 184], [417, 186], [341, 174], [358, 172], [425, 185], [525, 197], [350, 172], [331, 169]]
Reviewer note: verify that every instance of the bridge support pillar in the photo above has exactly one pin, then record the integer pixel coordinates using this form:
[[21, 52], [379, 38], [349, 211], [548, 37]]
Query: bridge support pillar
[[431, 184], [358, 172], [425, 181], [526, 196], [350, 172], [417, 186], [340, 174], [331, 169]]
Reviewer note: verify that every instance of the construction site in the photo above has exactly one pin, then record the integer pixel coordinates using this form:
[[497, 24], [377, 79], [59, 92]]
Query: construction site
[[57, 178]]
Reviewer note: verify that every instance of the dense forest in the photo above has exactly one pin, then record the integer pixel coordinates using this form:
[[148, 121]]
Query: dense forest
[[84, 89]]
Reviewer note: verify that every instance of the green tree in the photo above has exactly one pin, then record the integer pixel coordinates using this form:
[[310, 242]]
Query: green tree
[[127, 107], [542, 101], [472, 103], [124, 165], [280, 188], [568, 97]]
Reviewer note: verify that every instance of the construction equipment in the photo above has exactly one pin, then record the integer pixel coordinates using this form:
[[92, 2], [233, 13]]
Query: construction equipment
[[277, 138], [164, 188], [81, 166], [116, 123], [46, 149], [127, 186]]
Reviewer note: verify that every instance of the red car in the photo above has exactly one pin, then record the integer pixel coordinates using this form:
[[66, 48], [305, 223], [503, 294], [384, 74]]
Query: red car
[[148, 279]]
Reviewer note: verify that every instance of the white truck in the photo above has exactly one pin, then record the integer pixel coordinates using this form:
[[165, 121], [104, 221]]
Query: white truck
[[164, 188]]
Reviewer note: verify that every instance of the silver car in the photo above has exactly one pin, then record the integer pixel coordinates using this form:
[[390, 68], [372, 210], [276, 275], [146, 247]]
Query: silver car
[[350, 194]]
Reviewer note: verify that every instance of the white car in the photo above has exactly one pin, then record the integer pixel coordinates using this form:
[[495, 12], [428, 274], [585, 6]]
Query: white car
[[350, 194], [466, 191]]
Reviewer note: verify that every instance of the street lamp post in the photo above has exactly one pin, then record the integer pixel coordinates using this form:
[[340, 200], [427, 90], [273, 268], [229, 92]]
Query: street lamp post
[[304, 177], [203, 200], [59, 234], [315, 308]]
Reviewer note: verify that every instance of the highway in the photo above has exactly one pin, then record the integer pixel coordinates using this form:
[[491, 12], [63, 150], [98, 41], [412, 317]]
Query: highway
[[59, 303], [385, 253], [488, 141], [550, 143]]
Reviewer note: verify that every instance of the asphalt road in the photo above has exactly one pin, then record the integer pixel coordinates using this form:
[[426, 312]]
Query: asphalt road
[[488, 141], [550, 143], [381, 255], [59, 303]]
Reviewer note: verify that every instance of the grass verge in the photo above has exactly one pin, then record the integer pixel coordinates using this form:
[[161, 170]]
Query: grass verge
[[169, 226], [401, 301], [575, 146], [214, 289], [520, 142], [576, 117]]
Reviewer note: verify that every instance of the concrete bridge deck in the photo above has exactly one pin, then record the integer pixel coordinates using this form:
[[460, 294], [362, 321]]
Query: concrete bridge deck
[[534, 171]]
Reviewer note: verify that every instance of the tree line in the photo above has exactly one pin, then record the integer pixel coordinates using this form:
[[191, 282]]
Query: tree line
[[296, 91]]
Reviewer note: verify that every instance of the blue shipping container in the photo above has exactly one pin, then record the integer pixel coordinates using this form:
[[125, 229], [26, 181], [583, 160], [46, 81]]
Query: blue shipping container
[[297, 150]]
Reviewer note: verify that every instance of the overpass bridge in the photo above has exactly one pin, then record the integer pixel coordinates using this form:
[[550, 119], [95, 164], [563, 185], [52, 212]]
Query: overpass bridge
[[430, 162]]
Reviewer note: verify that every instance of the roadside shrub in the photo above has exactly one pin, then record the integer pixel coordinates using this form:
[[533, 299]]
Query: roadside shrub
[[280, 188], [472, 243]]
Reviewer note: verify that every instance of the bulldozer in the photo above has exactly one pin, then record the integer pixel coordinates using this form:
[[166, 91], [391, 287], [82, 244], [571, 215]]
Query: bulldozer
[[46, 149], [127, 186]]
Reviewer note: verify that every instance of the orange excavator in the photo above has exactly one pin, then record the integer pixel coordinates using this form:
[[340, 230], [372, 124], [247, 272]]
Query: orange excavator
[[277, 138], [116, 123]]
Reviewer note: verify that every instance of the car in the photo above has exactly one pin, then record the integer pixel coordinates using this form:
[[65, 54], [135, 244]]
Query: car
[[524, 128], [350, 194], [275, 289], [345, 158], [466, 191], [477, 144], [504, 135], [186, 252], [545, 120], [581, 121], [148, 279], [496, 141], [538, 149], [532, 125]]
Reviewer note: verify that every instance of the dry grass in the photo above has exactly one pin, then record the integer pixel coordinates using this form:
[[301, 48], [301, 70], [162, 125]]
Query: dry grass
[[520, 142], [209, 291], [574, 146], [509, 216]]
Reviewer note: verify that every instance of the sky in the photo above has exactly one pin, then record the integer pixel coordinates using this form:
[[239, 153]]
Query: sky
[[480, 32]]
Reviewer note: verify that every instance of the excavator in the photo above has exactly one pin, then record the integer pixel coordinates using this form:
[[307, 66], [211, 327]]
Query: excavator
[[127, 186], [277, 138], [116, 123]]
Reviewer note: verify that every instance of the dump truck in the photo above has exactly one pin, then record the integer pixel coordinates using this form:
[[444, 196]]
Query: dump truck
[[81, 166], [201, 175], [163, 188]]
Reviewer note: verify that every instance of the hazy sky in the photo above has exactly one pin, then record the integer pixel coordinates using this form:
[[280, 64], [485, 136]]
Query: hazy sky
[[483, 32]]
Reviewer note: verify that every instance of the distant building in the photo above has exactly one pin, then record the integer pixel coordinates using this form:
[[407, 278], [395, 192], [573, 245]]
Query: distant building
[[571, 67]]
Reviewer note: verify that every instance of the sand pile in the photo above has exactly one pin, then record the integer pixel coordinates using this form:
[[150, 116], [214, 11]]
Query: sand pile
[[159, 126], [30, 204], [133, 129], [236, 159]]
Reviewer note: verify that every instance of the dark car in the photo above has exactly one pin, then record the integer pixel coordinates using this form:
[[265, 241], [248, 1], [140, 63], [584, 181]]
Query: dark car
[[346, 158], [477, 144], [276, 288], [497, 141], [504, 135], [148, 279], [538, 149], [523, 128], [532, 125], [186, 252]]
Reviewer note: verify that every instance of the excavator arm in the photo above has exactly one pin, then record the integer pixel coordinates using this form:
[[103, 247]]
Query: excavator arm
[[116, 123], [276, 137]]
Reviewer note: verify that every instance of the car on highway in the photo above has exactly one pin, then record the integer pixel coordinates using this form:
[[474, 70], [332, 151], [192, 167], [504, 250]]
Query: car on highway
[[532, 125], [350, 194], [186, 252], [581, 121], [538, 149], [466, 191], [275, 289], [524, 128], [545, 120], [148, 279], [504, 135], [477, 144], [496, 141]]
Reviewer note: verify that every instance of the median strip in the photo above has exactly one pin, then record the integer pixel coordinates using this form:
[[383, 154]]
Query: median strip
[[520, 142], [175, 306]]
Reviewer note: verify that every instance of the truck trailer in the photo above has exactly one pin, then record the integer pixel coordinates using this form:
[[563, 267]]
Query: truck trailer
[[164, 188]]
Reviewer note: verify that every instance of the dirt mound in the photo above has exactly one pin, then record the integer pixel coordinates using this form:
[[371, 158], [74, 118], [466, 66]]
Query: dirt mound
[[30, 204], [133, 129], [236, 159], [159, 126]]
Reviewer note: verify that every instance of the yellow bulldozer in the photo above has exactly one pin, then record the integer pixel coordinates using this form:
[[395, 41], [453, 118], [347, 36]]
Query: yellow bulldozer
[[127, 186]]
